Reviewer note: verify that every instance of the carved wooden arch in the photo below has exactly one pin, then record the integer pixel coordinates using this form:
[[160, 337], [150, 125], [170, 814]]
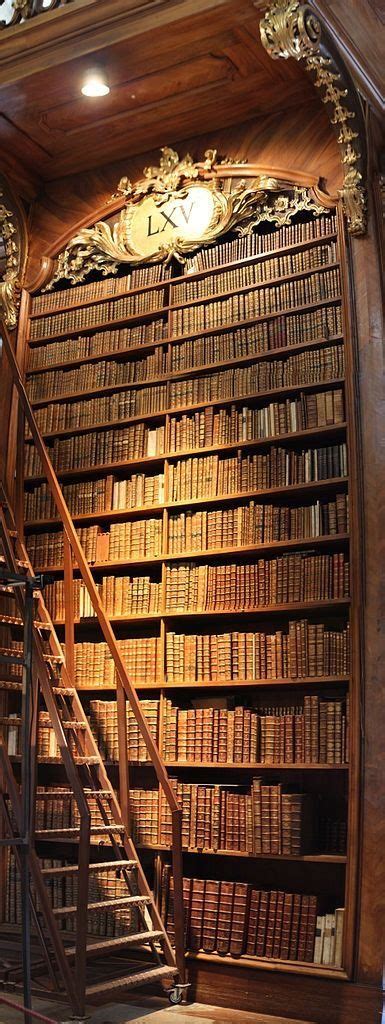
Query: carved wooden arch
[[13, 242], [243, 195], [291, 29]]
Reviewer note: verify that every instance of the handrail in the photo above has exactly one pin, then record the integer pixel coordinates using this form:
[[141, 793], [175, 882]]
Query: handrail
[[88, 579], [108, 633]]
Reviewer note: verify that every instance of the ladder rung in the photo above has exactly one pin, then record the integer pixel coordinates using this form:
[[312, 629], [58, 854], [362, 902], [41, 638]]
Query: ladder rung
[[74, 831], [97, 948], [64, 691], [75, 724], [122, 901], [85, 760], [68, 793], [131, 980], [10, 659], [72, 869], [99, 792]]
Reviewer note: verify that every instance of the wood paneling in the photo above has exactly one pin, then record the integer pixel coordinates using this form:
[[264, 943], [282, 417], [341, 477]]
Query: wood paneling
[[302, 141]]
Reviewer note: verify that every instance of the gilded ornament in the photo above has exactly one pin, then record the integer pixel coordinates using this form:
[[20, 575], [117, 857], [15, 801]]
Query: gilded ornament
[[175, 209], [9, 284], [290, 29]]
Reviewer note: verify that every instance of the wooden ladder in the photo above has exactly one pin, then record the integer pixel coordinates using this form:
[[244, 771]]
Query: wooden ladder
[[101, 818]]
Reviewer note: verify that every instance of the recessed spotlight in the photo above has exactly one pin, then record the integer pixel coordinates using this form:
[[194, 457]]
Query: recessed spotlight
[[95, 83]]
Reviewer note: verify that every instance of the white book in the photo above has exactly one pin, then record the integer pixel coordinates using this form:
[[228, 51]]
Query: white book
[[338, 947], [327, 943], [319, 939]]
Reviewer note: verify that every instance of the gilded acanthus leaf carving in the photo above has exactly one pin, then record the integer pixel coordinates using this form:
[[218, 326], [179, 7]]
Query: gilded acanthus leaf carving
[[9, 282], [291, 29], [174, 189]]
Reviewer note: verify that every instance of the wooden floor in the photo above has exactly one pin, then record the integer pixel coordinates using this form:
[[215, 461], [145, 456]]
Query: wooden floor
[[147, 1011]]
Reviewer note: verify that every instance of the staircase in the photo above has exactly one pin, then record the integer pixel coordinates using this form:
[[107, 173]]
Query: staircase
[[142, 954]]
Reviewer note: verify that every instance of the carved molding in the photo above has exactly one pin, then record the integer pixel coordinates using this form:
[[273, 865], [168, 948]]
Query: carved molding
[[22, 10], [291, 29], [239, 204], [13, 243]]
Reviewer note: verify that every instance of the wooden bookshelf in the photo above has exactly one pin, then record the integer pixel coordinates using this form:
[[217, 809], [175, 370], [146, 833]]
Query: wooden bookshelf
[[327, 437]]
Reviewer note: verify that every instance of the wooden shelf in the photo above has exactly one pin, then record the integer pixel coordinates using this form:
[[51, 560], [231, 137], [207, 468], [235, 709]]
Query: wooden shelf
[[330, 540], [182, 278], [211, 297], [294, 438], [229, 684], [116, 515], [264, 963], [286, 351], [177, 410], [272, 609], [172, 339]]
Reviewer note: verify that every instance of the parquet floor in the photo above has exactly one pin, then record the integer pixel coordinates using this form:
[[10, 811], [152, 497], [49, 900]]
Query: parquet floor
[[150, 1011]]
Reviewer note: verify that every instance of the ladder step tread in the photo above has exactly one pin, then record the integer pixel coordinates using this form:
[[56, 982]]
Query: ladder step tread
[[95, 830], [75, 724], [64, 691], [131, 980], [122, 901], [68, 793], [72, 869], [123, 940]]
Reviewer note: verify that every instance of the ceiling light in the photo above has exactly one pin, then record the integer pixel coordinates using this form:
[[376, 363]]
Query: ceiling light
[[95, 83]]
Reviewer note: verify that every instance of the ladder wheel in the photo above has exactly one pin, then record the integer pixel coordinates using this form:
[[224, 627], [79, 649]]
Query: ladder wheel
[[175, 996]]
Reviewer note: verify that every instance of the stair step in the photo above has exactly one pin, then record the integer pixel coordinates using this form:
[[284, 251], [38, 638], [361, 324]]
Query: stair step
[[106, 945], [131, 980], [72, 869], [122, 901], [99, 792], [64, 691], [68, 793], [86, 759], [95, 830]]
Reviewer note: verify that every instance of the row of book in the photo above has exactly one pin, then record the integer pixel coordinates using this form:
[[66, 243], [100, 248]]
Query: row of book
[[304, 649], [100, 374], [319, 366], [258, 243], [99, 447], [258, 819], [211, 476], [44, 356], [243, 525], [203, 429], [237, 424], [235, 919], [310, 290], [252, 524], [63, 890], [242, 587], [291, 579], [105, 494], [138, 539], [206, 476], [142, 277], [94, 666], [262, 271], [313, 732], [121, 596], [243, 342], [103, 718], [84, 317], [310, 366]]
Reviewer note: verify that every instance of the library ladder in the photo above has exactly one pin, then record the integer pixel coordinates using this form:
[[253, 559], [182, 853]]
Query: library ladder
[[99, 814]]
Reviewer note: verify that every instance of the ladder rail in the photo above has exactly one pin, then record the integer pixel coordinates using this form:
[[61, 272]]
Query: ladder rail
[[40, 886], [121, 672]]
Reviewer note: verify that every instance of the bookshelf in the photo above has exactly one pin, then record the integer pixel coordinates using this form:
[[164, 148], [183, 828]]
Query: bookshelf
[[202, 430]]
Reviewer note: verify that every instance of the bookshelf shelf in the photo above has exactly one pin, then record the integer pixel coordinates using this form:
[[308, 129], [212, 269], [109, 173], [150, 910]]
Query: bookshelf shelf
[[253, 397], [173, 338], [174, 345], [326, 433], [295, 247], [196, 370], [331, 540], [314, 487]]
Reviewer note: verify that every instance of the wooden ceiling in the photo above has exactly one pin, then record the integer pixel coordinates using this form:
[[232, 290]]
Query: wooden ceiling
[[192, 68]]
